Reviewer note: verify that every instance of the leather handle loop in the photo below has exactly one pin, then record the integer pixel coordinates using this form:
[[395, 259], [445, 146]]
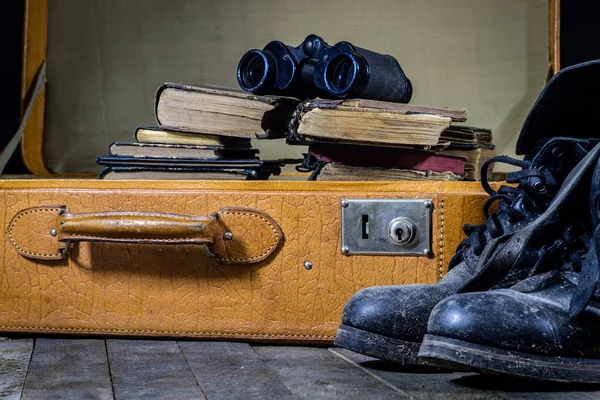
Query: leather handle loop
[[232, 235], [132, 227]]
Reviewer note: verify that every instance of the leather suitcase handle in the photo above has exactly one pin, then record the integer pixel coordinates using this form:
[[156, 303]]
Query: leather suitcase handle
[[135, 227], [233, 235]]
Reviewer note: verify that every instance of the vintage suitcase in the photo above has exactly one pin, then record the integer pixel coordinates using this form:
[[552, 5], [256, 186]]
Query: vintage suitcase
[[106, 60], [281, 276], [230, 260]]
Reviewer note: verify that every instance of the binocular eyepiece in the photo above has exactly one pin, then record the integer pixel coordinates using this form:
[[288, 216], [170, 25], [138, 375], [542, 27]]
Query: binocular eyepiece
[[315, 69]]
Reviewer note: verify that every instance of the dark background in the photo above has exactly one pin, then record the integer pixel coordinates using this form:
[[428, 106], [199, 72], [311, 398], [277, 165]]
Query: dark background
[[11, 32], [580, 32]]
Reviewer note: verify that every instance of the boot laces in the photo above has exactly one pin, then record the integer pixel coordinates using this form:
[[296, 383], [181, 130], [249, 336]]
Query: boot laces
[[515, 202], [566, 248], [586, 263]]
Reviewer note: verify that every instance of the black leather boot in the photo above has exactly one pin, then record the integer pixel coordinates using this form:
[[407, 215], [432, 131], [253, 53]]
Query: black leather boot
[[389, 322], [546, 327]]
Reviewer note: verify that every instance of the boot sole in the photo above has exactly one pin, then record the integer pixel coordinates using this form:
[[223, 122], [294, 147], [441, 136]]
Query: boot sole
[[374, 345], [447, 352]]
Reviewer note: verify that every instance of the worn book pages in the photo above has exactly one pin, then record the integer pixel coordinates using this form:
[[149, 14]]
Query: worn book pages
[[161, 150], [367, 125], [159, 135], [342, 172], [226, 112], [475, 159], [456, 115]]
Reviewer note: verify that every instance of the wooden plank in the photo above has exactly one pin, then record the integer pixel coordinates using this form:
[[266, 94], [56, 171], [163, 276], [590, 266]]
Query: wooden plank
[[417, 382], [520, 389], [68, 369], [554, 394], [150, 369], [461, 385], [318, 373], [14, 360], [228, 370]]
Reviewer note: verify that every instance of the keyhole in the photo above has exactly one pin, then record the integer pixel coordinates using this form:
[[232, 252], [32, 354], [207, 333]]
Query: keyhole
[[399, 233]]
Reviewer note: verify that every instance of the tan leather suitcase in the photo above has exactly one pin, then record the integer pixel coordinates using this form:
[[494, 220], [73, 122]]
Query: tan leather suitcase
[[227, 260], [101, 257]]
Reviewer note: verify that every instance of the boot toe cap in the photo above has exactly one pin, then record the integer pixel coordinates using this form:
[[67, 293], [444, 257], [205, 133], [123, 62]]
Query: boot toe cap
[[501, 318], [399, 312]]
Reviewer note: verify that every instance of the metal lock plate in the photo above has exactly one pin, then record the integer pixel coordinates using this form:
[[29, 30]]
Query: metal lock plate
[[386, 226]]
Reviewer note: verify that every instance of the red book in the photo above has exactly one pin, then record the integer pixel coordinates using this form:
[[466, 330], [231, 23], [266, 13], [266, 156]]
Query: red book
[[387, 157]]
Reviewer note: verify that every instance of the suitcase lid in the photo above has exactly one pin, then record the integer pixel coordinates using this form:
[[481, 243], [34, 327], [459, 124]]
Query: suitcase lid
[[448, 50]]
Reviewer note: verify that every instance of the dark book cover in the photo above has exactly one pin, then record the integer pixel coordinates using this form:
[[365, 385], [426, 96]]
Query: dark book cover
[[155, 172], [387, 157], [186, 163]]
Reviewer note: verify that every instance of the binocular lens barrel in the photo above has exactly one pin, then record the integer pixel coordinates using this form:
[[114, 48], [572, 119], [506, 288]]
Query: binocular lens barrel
[[315, 69], [340, 73], [253, 70]]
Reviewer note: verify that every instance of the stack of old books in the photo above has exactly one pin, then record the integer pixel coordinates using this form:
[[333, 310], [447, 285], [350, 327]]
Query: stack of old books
[[374, 140], [203, 133]]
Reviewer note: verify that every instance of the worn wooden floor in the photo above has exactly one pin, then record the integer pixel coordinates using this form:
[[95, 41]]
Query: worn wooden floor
[[47, 368]]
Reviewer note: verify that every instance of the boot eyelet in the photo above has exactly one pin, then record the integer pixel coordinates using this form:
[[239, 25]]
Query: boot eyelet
[[557, 152], [539, 186]]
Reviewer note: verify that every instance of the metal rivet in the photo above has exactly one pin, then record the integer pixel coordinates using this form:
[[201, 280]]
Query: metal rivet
[[307, 265], [427, 203], [427, 253], [539, 186], [345, 250], [53, 232], [557, 152], [345, 203], [228, 236]]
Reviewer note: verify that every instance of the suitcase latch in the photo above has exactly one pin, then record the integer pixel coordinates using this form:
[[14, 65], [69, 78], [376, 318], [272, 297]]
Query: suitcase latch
[[386, 227]]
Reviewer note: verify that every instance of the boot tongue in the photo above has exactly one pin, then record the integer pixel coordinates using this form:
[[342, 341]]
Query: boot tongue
[[567, 107]]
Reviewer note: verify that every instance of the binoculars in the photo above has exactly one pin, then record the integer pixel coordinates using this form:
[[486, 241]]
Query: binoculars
[[316, 69]]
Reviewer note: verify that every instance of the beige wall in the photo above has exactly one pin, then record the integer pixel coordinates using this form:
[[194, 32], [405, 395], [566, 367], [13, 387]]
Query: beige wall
[[107, 57]]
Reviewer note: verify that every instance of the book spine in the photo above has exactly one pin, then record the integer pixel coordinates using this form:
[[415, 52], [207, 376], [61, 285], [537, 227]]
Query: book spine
[[156, 101], [292, 134]]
